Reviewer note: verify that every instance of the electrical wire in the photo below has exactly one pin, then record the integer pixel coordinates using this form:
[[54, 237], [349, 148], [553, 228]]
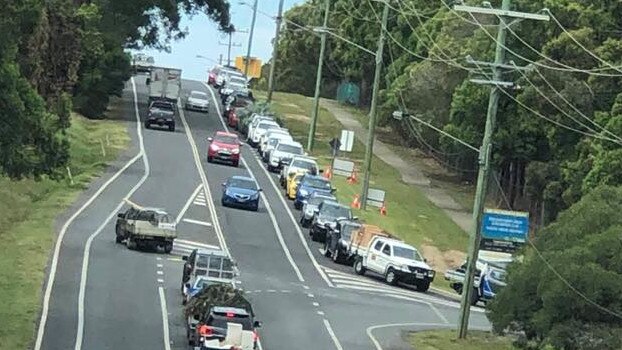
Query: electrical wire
[[566, 69]]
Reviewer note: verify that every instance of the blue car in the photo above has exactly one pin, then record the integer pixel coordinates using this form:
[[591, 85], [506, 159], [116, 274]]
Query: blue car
[[241, 192], [309, 184]]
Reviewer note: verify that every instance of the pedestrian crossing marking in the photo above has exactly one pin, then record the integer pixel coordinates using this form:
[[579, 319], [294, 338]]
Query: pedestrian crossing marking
[[184, 247]]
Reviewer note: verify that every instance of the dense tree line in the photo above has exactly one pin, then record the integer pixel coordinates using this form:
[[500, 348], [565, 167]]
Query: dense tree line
[[60, 55], [544, 166]]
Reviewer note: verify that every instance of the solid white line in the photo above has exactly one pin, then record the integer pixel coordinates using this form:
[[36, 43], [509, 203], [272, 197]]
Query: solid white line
[[197, 222], [432, 307], [266, 203], [184, 243], [369, 330], [190, 200], [59, 240], [208, 193], [353, 282], [332, 335], [89, 242], [165, 330]]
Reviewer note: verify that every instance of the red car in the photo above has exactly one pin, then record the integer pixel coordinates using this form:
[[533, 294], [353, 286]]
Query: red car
[[231, 110], [225, 147]]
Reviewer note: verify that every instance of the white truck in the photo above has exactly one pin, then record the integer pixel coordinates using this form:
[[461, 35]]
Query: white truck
[[377, 251], [164, 84]]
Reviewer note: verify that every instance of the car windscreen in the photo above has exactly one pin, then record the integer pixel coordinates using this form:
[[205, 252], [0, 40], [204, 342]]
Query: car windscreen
[[407, 253], [227, 139], [335, 211], [267, 126], [346, 231], [292, 149], [241, 101], [243, 183], [198, 95], [303, 165], [317, 183]]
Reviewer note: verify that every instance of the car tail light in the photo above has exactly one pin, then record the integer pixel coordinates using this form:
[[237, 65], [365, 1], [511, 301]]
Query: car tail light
[[230, 314], [206, 330]]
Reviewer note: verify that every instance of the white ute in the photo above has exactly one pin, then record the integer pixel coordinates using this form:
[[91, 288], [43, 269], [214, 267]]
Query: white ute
[[393, 259]]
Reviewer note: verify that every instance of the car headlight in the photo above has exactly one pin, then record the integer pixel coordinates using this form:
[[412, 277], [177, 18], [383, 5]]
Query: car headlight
[[235, 151], [431, 273], [214, 147], [405, 268]]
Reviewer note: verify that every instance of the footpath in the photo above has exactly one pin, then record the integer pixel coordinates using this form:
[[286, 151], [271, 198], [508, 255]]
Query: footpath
[[410, 173]]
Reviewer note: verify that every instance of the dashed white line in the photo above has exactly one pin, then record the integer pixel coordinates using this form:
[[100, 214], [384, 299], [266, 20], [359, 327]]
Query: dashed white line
[[305, 287], [158, 258], [271, 291], [311, 295], [316, 304], [321, 313], [197, 222], [160, 272], [159, 266], [160, 280]]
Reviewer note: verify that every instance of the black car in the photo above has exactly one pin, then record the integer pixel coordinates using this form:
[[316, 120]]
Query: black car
[[327, 216], [161, 113], [216, 322], [338, 239]]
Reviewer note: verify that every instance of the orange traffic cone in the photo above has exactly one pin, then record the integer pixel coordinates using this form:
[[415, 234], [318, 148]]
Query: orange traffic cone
[[383, 209], [328, 173], [352, 178], [356, 202]]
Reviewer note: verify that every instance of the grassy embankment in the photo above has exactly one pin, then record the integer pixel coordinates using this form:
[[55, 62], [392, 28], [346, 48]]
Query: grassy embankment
[[28, 210], [446, 340], [410, 214]]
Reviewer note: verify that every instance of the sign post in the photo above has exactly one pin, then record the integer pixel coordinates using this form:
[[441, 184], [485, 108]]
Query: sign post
[[503, 230]]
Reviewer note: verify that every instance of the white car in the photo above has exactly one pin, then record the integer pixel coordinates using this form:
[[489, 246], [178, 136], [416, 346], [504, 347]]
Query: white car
[[263, 141], [284, 152], [256, 119], [261, 128], [271, 144], [197, 101]]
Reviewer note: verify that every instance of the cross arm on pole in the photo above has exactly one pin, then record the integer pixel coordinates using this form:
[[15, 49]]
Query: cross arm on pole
[[503, 13]]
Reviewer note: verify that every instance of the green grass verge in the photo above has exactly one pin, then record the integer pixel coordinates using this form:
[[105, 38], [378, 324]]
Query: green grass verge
[[410, 214], [446, 340], [28, 210]]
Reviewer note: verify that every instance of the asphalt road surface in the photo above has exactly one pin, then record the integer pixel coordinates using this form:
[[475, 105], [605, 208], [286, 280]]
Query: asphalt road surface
[[100, 295]]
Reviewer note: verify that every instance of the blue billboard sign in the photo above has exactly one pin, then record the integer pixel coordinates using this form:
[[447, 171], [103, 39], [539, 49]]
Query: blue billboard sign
[[505, 225]]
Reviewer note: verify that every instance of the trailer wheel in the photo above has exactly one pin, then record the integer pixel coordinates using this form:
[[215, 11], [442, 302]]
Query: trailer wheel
[[358, 267]]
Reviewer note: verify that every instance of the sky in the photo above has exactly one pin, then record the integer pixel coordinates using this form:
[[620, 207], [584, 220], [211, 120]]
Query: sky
[[203, 38]]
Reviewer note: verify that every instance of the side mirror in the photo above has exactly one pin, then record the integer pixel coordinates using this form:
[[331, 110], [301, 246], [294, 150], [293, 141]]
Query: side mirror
[[210, 139], [321, 171], [257, 324], [224, 184], [184, 258], [120, 215], [188, 285]]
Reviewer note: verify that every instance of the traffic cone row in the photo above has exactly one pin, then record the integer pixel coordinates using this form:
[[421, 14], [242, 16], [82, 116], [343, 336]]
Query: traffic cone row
[[352, 179], [356, 202], [383, 209], [328, 173]]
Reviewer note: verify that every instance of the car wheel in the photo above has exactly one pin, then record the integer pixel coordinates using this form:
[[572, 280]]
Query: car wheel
[[236, 163], [297, 205], [358, 267], [147, 126], [423, 286], [168, 248], [210, 159], [119, 239], [171, 128], [390, 277], [304, 222], [314, 236], [130, 243], [223, 202], [270, 168]]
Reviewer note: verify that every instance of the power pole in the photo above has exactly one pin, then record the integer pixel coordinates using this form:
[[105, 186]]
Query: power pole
[[250, 40], [369, 150], [484, 153], [220, 60], [318, 79], [275, 53]]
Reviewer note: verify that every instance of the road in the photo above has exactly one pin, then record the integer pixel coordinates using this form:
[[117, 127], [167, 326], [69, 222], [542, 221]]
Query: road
[[100, 295]]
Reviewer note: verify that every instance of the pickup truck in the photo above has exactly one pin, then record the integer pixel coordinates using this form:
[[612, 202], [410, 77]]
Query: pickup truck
[[391, 258], [146, 227], [490, 272]]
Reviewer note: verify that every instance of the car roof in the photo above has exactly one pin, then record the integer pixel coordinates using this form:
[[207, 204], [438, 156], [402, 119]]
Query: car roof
[[397, 243], [225, 133], [289, 142], [157, 210], [305, 158], [317, 177], [238, 177], [324, 195], [205, 251], [268, 122], [225, 309]]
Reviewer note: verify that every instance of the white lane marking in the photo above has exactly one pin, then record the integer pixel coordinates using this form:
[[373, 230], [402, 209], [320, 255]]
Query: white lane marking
[[370, 330], [266, 203], [197, 222], [184, 243], [202, 204], [89, 242], [208, 193], [271, 291], [332, 335], [59, 240], [187, 205], [352, 282], [158, 258], [160, 280], [306, 287], [311, 295], [432, 307], [316, 304], [321, 313], [160, 272], [159, 266], [165, 330]]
